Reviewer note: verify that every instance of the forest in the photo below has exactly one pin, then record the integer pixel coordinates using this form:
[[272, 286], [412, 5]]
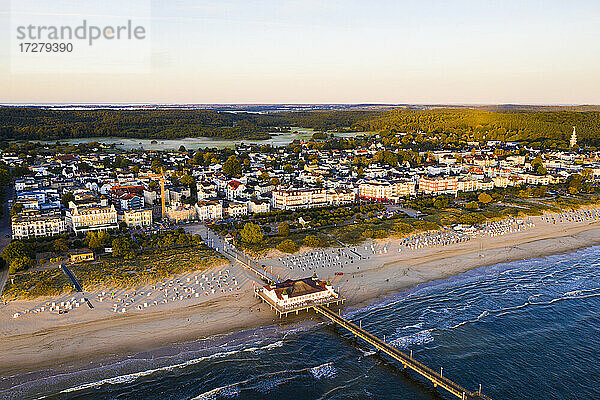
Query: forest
[[489, 125], [29, 123]]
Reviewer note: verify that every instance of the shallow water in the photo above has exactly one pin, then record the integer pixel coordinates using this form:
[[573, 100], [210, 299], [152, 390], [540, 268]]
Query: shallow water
[[277, 140], [524, 330]]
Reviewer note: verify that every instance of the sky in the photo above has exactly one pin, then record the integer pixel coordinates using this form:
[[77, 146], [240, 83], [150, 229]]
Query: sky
[[315, 51]]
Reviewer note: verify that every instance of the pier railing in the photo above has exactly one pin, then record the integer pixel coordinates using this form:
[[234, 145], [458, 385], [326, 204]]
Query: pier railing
[[407, 361]]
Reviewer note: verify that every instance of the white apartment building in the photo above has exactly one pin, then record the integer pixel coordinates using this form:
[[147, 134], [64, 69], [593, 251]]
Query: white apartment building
[[259, 206], [234, 189], [32, 223], [236, 209], [340, 196], [467, 185], [206, 210], [180, 212], [291, 199]]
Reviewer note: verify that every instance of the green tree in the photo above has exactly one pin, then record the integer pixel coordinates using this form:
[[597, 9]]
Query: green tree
[[20, 264], [97, 239], [60, 245], [403, 228], [16, 209], [484, 198], [283, 229], [538, 165], [472, 205], [121, 246], [15, 249], [287, 246], [153, 185], [471, 219], [66, 198], [232, 167], [440, 202], [251, 233], [575, 183], [187, 180]]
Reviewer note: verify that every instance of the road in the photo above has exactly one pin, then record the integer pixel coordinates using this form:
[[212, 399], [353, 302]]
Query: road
[[5, 230]]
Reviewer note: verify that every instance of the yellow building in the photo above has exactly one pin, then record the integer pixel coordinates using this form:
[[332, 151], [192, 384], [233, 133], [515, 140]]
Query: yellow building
[[138, 218], [83, 256], [91, 217]]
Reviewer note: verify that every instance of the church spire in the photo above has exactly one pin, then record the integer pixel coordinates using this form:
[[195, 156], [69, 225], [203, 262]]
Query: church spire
[[573, 138]]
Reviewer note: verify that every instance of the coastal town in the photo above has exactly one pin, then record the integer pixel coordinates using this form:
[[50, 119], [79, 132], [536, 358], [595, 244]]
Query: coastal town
[[299, 200], [105, 189], [95, 232], [97, 207]]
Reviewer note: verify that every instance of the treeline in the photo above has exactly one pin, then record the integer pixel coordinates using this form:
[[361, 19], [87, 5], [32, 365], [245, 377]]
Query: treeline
[[42, 124], [487, 125], [22, 123], [460, 124], [324, 120]]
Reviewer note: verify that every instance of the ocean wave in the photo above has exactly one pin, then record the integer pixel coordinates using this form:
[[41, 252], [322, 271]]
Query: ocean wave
[[326, 370], [417, 339], [128, 378], [417, 326], [231, 390], [267, 382]]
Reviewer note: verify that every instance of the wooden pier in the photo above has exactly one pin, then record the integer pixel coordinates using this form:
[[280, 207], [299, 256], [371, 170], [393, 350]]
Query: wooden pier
[[407, 361]]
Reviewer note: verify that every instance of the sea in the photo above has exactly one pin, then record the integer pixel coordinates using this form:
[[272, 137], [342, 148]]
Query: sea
[[522, 330]]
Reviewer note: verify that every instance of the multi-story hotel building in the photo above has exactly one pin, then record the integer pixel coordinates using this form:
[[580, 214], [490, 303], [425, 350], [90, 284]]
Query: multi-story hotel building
[[137, 218], [181, 213], [91, 217], [438, 185], [390, 191], [291, 199], [236, 209], [33, 223], [340, 196], [467, 185], [259, 206]]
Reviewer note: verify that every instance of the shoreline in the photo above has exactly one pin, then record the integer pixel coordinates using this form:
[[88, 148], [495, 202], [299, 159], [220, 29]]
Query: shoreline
[[43, 346]]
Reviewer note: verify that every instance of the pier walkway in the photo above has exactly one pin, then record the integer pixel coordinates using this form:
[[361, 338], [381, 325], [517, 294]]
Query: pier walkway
[[76, 284], [218, 243], [407, 361]]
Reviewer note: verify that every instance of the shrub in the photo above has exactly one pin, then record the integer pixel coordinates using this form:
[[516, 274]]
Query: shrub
[[20, 264], [287, 246], [283, 229], [484, 198], [471, 219], [312, 241], [472, 205], [402, 228]]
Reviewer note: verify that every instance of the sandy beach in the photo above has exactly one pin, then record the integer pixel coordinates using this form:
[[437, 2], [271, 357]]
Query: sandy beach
[[35, 341]]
